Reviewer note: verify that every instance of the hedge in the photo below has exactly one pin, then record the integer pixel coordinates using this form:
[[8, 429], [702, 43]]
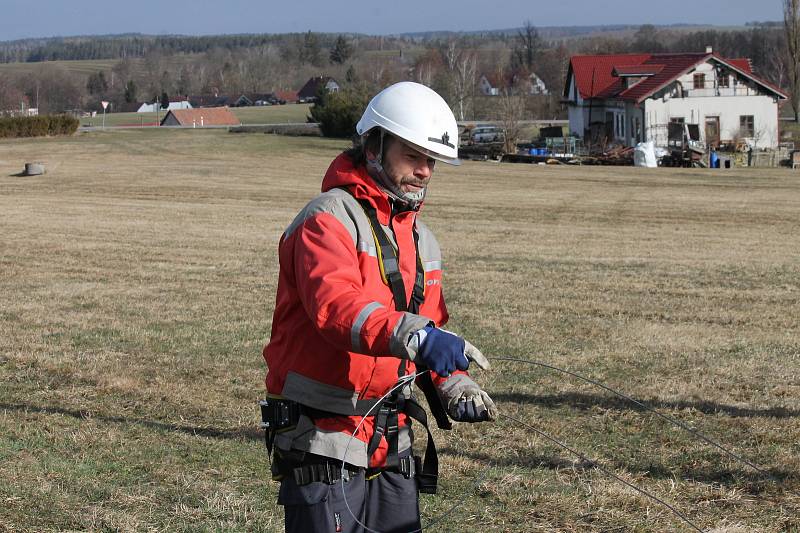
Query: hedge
[[12, 127]]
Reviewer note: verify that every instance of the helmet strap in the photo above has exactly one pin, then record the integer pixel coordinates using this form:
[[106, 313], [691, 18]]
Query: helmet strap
[[378, 173]]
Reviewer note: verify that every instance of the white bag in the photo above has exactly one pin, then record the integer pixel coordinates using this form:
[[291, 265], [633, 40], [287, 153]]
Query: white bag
[[644, 155]]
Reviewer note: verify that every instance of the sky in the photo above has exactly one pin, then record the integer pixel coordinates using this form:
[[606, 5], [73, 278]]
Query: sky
[[47, 18]]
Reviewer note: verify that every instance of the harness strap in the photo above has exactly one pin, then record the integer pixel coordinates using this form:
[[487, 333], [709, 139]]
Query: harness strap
[[389, 264], [428, 475]]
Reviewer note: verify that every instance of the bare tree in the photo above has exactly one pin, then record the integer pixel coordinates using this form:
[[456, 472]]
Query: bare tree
[[511, 111], [11, 97], [527, 45], [427, 66], [54, 88], [464, 75], [791, 25], [462, 69]]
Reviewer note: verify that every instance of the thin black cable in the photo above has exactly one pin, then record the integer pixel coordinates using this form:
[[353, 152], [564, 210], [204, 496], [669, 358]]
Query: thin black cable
[[602, 469], [647, 408]]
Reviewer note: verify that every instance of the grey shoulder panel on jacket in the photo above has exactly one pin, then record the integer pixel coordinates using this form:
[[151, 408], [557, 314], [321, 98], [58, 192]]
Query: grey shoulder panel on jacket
[[336, 202], [428, 245]]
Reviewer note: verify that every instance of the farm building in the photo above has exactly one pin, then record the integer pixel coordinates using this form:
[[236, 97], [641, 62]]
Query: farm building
[[492, 84], [156, 106], [256, 99], [629, 98], [210, 100], [309, 91], [198, 118]]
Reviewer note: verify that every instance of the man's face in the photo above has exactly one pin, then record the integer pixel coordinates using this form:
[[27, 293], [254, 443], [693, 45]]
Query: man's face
[[409, 170]]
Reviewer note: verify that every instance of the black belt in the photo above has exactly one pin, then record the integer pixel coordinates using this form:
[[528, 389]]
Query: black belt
[[315, 468]]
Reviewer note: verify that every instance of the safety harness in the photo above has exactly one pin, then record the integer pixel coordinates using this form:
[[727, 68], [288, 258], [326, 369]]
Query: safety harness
[[280, 414]]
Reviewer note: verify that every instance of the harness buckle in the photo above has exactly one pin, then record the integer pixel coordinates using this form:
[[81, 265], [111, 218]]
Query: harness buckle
[[278, 413]]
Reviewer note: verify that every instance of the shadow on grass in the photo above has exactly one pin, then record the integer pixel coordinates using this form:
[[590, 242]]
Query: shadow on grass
[[750, 481], [586, 401], [214, 433]]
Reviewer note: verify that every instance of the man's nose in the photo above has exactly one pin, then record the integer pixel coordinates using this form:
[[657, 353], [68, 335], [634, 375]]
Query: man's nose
[[423, 170]]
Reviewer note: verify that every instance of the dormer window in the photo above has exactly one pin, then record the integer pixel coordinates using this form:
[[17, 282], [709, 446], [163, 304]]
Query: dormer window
[[699, 81]]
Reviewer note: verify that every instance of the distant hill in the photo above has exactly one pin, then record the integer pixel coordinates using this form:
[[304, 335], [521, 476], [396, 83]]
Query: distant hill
[[566, 32], [132, 45]]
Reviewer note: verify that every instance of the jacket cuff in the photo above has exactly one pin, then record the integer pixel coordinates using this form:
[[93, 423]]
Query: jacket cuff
[[401, 343]]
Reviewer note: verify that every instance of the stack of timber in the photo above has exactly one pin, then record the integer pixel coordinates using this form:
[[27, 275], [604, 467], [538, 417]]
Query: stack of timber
[[618, 156]]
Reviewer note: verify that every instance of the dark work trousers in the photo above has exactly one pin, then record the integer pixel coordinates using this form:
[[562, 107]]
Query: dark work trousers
[[388, 503]]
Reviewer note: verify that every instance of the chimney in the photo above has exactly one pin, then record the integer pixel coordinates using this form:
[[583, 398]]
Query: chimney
[[709, 50]]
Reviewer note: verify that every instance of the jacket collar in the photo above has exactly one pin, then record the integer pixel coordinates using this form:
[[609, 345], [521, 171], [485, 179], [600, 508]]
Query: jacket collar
[[342, 173]]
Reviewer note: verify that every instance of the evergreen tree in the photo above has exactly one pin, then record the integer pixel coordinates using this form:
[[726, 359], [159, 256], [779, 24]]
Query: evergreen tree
[[341, 51], [350, 76], [130, 91], [311, 52], [337, 113], [164, 100]]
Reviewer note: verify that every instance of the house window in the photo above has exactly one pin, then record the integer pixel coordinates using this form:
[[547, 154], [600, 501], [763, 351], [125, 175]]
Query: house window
[[746, 126], [699, 81], [677, 120], [724, 81]]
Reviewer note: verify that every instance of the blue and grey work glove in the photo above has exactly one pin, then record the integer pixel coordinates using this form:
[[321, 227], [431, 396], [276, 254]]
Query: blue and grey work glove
[[444, 352], [465, 400]]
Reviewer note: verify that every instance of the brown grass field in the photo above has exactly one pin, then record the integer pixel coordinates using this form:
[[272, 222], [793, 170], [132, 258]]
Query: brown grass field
[[137, 281]]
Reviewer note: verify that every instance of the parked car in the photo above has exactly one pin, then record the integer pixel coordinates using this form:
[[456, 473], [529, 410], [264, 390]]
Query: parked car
[[487, 134]]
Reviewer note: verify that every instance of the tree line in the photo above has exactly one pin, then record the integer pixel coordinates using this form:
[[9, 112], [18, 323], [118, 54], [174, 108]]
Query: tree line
[[147, 68]]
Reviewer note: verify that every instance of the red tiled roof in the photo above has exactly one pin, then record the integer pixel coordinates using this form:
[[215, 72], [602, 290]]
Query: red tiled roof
[[208, 116], [673, 66], [741, 63], [288, 96], [595, 75], [637, 70]]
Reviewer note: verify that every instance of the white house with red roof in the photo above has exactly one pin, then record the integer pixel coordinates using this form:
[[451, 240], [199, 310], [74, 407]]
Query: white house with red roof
[[629, 98]]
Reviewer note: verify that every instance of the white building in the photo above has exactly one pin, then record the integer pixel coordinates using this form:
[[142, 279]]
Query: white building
[[630, 98], [491, 85], [152, 108]]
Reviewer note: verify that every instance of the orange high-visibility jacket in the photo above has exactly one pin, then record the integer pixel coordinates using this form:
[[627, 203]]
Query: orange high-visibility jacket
[[337, 340]]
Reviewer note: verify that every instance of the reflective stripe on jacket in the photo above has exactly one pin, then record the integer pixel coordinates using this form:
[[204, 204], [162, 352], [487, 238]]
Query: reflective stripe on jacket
[[337, 340]]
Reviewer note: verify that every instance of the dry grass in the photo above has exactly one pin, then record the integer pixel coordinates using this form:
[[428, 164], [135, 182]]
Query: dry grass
[[137, 282]]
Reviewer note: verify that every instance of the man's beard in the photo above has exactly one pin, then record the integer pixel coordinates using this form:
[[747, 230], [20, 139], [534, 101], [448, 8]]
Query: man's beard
[[409, 199]]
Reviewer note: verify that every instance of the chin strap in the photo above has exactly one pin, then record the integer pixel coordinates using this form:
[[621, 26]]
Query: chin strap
[[410, 200]]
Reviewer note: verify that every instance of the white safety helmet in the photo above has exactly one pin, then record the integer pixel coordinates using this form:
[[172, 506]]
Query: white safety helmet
[[417, 115]]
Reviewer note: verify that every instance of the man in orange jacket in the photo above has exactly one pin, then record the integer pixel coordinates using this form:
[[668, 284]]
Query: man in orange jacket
[[357, 318]]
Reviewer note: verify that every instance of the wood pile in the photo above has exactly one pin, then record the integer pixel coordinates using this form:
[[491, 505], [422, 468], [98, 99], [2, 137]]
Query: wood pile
[[617, 156]]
